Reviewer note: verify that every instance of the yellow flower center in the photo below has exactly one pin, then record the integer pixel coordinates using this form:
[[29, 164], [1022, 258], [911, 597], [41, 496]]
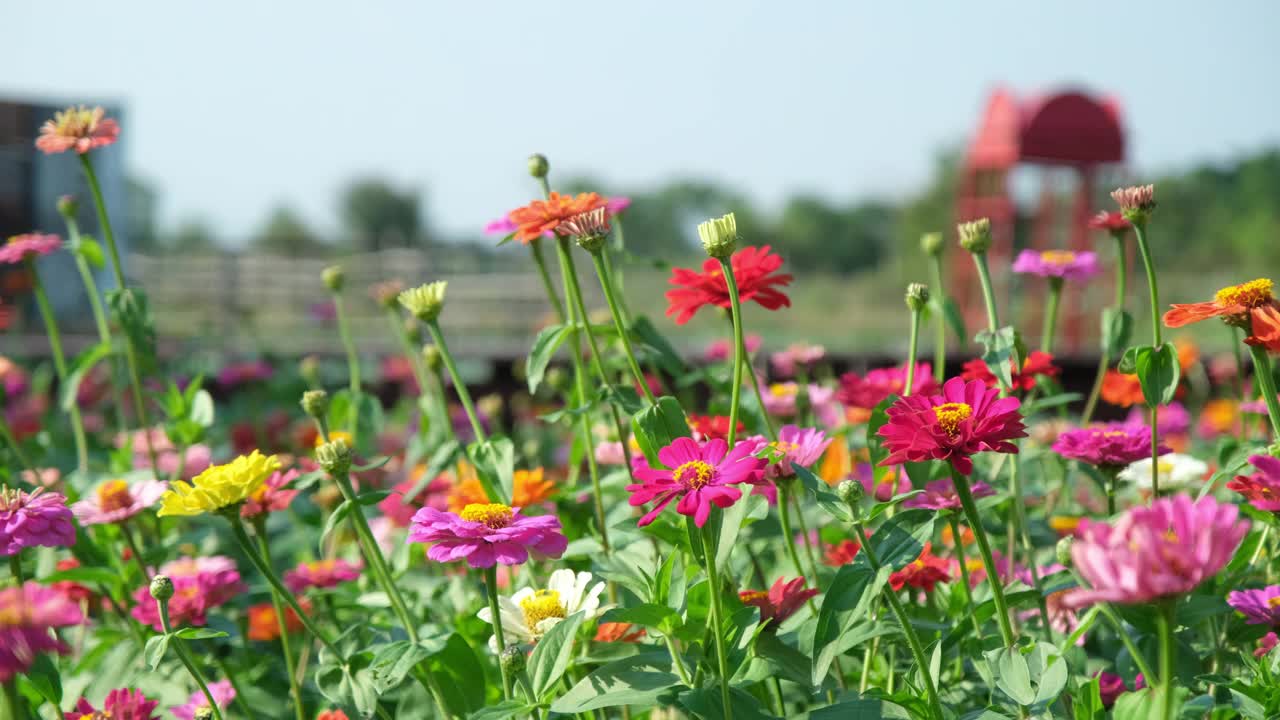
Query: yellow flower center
[[11, 616], [1058, 257], [694, 474], [114, 495], [1112, 433], [321, 566], [1164, 467], [750, 596], [784, 447], [1064, 523], [494, 515], [1274, 602], [950, 415], [541, 605], [1250, 294], [782, 390]]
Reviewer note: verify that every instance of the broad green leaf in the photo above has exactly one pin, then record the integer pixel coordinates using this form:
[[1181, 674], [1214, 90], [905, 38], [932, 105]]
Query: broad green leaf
[[198, 633], [827, 499], [43, 676], [393, 662], [752, 507], [545, 345], [664, 354], [1158, 373], [846, 593], [1001, 351], [331, 523], [462, 680], [154, 652], [650, 615], [1012, 675], [658, 426], [1117, 325], [1128, 361], [637, 680], [505, 710], [551, 655], [901, 540], [79, 369], [85, 575], [495, 462]]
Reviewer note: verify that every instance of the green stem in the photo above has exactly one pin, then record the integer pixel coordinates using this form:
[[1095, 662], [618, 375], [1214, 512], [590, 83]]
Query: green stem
[[1267, 385], [1140, 231], [535, 247], [804, 539], [677, 660], [13, 444], [459, 386], [1104, 361], [1165, 621], [739, 351], [278, 605], [1113, 479], [984, 549], [60, 365], [15, 569], [913, 640], [11, 702], [353, 368], [964, 572], [99, 315], [1051, 314], [615, 309], [717, 611], [179, 647], [788, 540], [1154, 415], [939, 323], [755, 387], [133, 548], [1237, 382], [988, 291], [410, 353], [491, 588], [912, 346]]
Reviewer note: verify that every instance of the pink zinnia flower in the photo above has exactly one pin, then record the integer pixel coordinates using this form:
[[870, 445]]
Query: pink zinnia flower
[[796, 356], [241, 373], [1266, 644], [21, 247], [34, 519], [800, 446], [192, 462], [1259, 607], [941, 495], [1173, 419], [27, 615], [485, 534], [120, 704], [199, 585], [1112, 686], [868, 391], [1112, 222], [271, 496], [1111, 445], [79, 129], [721, 350], [893, 482], [703, 476], [966, 418], [1164, 550], [617, 204], [400, 512], [779, 602], [1261, 489], [321, 574], [1061, 264], [115, 501], [222, 691]]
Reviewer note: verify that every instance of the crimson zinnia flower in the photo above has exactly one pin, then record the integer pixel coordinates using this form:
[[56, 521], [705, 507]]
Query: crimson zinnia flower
[[841, 553], [1261, 489], [755, 270], [1038, 362], [712, 426], [541, 217], [966, 418], [868, 391], [923, 573], [780, 601], [120, 704], [1248, 305], [1113, 445], [1112, 222]]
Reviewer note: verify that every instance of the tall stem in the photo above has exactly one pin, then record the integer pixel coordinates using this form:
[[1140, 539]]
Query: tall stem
[[278, 606], [988, 561], [410, 352], [99, 316], [964, 571], [16, 447], [789, 539], [60, 365], [939, 323], [1267, 385], [353, 368], [1165, 620], [804, 539], [459, 386], [912, 345], [988, 291], [1140, 231], [535, 247], [1104, 361], [717, 614], [739, 348], [491, 588], [179, 647], [615, 309], [1051, 314]]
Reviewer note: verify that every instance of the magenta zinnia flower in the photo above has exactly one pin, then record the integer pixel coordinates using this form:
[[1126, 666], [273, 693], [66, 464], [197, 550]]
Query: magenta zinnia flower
[[894, 482], [1161, 551], [116, 501], [966, 418], [1259, 607], [780, 602], [28, 614], [1062, 264], [703, 476], [1113, 445], [868, 391], [120, 704], [222, 691], [800, 446], [1174, 419], [199, 585], [34, 519], [1266, 644], [1261, 489], [941, 495], [487, 533], [321, 574], [20, 247], [796, 356]]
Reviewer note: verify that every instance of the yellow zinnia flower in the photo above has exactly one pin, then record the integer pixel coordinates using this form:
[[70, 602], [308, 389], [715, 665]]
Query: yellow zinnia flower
[[219, 486]]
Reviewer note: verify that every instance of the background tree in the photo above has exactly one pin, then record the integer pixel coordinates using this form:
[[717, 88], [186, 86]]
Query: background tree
[[286, 234], [378, 216]]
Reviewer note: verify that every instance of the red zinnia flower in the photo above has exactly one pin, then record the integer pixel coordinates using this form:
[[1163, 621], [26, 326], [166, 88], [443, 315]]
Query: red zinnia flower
[[1112, 222], [711, 427], [1037, 363], [541, 217], [1121, 389], [841, 553], [923, 573], [755, 270], [966, 418], [1248, 305], [780, 602]]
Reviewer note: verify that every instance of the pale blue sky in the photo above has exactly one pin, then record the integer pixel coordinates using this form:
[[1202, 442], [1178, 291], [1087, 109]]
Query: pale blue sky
[[238, 105]]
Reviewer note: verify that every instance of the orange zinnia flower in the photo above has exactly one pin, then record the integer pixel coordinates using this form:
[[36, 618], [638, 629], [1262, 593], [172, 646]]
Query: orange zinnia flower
[[1248, 305], [542, 217], [529, 488], [618, 632], [1121, 389], [837, 463], [264, 626]]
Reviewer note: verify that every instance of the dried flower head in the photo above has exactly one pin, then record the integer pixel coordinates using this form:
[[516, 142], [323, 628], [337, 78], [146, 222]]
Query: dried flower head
[[77, 128]]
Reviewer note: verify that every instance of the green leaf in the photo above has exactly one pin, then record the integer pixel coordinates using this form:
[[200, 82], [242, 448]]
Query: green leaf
[[636, 680], [950, 311], [750, 508], [79, 369], [658, 425], [85, 576], [505, 710], [551, 655], [1117, 325], [901, 540], [1000, 352], [664, 354], [198, 633], [43, 676], [707, 703], [1049, 669], [545, 345], [860, 709], [650, 615], [1087, 702], [442, 458], [393, 663], [875, 443], [847, 593], [155, 649], [1158, 372], [335, 518], [130, 310], [1012, 675], [495, 463], [827, 500], [461, 675], [1128, 361]]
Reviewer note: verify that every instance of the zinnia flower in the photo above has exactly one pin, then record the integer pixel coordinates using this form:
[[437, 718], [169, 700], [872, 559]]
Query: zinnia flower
[[199, 585], [321, 574], [779, 602], [870, 390], [485, 534], [529, 614], [264, 625], [1266, 644], [1261, 489], [120, 704], [1110, 445], [799, 446], [893, 482], [219, 486], [1173, 419], [1037, 363], [1112, 686], [1121, 389], [34, 519], [618, 632], [1175, 471], [966, 418], [433, 494], [1112, 222], [1218, 417], [721, 349], [1061, 264], [923, 573], [335, 714], [703, 476], [711, 427], [116, 501], [1248, 305], [1159, 551], [271, 496], [69, 589], [542, 217], [529, 488], [941, 495], [222, 691], [755, 271], [79, 129], [1259, 607], [841, 553], [21, 247], [798, 356], [28, 614]]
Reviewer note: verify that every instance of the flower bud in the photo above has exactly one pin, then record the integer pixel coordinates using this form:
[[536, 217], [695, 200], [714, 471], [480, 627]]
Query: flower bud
[[386, 293], [425, 301], [850, 491], [512, 660], [413, 331], [431, 356], [333, 278], [1063, 550], [67, 206], [1136, 202], [975, 236], [309, 369], [334, 457], [538, 165], [161, 588], [315, 403], [917, 296], [932, 243], [719, 236]]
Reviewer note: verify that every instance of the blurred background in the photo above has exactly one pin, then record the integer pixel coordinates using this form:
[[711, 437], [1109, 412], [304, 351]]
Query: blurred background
[[264, 141]]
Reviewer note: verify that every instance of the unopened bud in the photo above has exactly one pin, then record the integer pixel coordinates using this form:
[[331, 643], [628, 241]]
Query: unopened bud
[[932, 243], [719, 236], [334, 457], [512, 660], [333, 278], [431, 356], [161, 588], [425, 301], [975, 236], [309, 369], [850, 491], [917, 296], [386, 293], [67, 206], [1063, 550], [538, 165], [315, 403], [1136, 202], [589, 229]]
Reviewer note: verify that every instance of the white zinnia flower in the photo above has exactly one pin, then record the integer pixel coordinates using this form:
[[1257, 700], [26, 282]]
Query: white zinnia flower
[[529, 614], [1176, 471]]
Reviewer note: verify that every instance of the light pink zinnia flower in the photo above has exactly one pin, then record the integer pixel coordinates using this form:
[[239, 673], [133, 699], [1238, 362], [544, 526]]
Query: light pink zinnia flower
[[199, 584], [703, 476], [941, 495], [34, 519], [1135, 197], [116, 501], [321, 574], [1061, 264], [79, 129], [721, 349], [120, 704], [967, 418], [484, 534], [21, 247], [786, 361], [1161, 551], [222, 691], [27, 615]]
